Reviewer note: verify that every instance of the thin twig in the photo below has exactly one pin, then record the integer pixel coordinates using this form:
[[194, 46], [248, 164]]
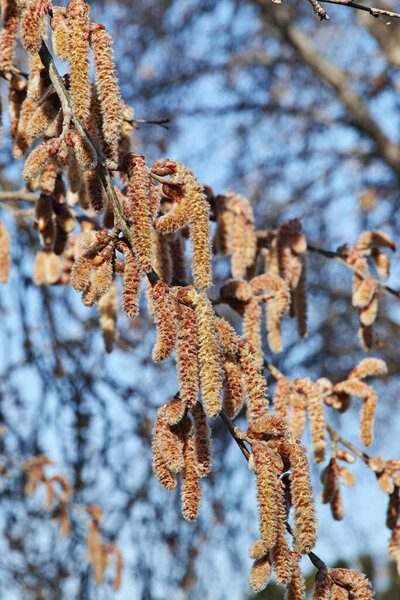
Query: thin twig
[[336, 437], [231, 428], [319, 10], [375, 12]]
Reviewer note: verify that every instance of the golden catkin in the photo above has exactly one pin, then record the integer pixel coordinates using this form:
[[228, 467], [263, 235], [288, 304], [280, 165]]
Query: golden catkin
[[259, 573], [137, 209], [169, 442], [8, 36], [78, 57], [84, 150], [81, 271], [357, 584], [322, 586], [282, 397], [4, 253], [338, 593], [238, 265], [382, 264], [305, 529], [315, 407], [130, 283], [48, 176], [257, 403], [43, 116], [166, 317], [266, 493], [209, 355], [228, 336], [108, 307], [161, 256], [281, 551], [252, 328], [296, 588], [348, 478], [60, 36], [375, 237], [38, 80], [166, 478], [234, 388], [35, 162], [368, 367], [22, 140], [368, 314], [31, 26], [258, 550], [191, 490], [199, 213], [175, 410], [298, 405], [186, 357], [364, 293], [107, 86], [176, 218], [367, 417], [202, 440]]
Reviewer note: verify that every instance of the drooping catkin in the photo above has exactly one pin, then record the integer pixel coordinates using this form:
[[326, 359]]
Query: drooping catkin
[[177, 253], [45, 221], [296, 588], [290, 243], [281, 397], [299, 299], [266, 493], [82, 270], [107, 85], [161, 256], [394, 546], [166, 317], [257, 403], [252, 328], [209, 355], [31, 23], [78, 57], [175, 410], [367, 417], [47, 179], [108, 307], [166, 478], [137, 210], [281, 551], [298, 406], [94, 189], [187, 357], [35, 162], [368, 367], [4, 253], [199, 213], [191, 490], [22, 140], [43, 116], [234, 388], [336, 504], [8, 36], [38, 80], [305, 528], [130, 282], [202, 440], [84, 150], [259, 573], [228, 337], [315, 407], [393, 509], [60, 36], [357, 584], [238, 264], [329, 479], [170, 443]]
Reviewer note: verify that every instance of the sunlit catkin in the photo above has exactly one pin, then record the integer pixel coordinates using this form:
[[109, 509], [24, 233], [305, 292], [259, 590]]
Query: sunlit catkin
[[368, 367], [137, 210], [202, 440], [78, 57], [259, 573], [175, 410], [31, 27], [234, 388], [191, 490], [94, 189], [252, 328], [296, 588], [281, 552], [130, 282], [4, 253], [266, 493], [281, 397], [43, 116], [107, 86], [305, 529], [315, 407], [166, 317], [257, 403], [166, 478], [8, 36], [84, 150], [209, 356], [357, 584], [22, 140], [60, 36], [186, 357], [170, 443], [35, 162]]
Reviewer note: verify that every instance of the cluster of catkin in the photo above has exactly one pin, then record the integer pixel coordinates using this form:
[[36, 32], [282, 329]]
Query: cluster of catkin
[[182, 444], [365, 289], [341, 584], [273, 453], [331, 476]]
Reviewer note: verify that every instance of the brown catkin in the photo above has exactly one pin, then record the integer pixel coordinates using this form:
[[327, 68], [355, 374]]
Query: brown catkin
[[8, 36], [300, 299], [305, 529], [108, 307], [209, 355], [177, 252], [256, 386], [43, 116], [191, 490], [296, 588], [60, 36], [202, 440], [281, 552], [166, 478], [356, 584], [166, 317], [84, 150], [176, 218], [394, 546], [175, 410], [22, 140], [31, 24], [266, 493], [234, 388], [35, 162], [228, 337], [187, 357], [337, 506], [4, 253], [393, 509], [329, 478], [252, 328], [94, 189], [170, 443], [107, 85], [38, 81], [130, 283], [78, 57], [259, 573], [282, 397], [315, 407], [258, 550], [161, 256], [81, 271], [137, 210]]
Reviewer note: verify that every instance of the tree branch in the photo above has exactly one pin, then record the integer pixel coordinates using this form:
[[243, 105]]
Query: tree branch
[[375, 12]]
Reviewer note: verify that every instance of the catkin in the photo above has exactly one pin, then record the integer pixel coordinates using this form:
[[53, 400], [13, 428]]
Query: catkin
[[78, 57], [107, 85], [202, 440], [108, 307], [31, 24], [22, 139], [281, 552], [266, 493], [166, 317], [84, 150], [170, 444], [186, 357], [305, 529], [191, 490], [94, 189], [130, 282], [257, 403], [259, 573], [4, 253], [315, 407], [43, 116], [8, 36], [357, 584], [175, 410], [322, 586], [166, 478], [35, 162], [60, 36], [137, 210], [296, 588], [234, 388], [368, 367]]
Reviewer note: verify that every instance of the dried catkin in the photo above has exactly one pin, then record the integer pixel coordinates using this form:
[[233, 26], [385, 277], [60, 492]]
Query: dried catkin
[[137, 210], [199, 213], [108, 307], [186, 357], [161, 256], [107, 86], [60, 36], [191, 490], [300, 300], [257, 403], [8, 36], [166, 317], [259, 573], [78, 57], [296, 588], [81, 271], [393, 509], [329, 479], [266, 493], [305, 529], [4, 253], [202, 440], [31, 26], [209, 356], [322, 585], [252, 328], [177, 253], [234, 388]]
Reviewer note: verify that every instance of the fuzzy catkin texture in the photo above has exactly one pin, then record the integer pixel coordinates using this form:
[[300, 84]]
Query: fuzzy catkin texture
[[187, 357], [315, 406], [130, 283], [256, 385], [60, 36], [8, 36], [31, 25], [107, 85], [78, 58], [296, 588], [282, 397], [322, 586], [198, 211], [22, 140], [175, 410], [209, 356], [4, 253], [252, 328], [94, 189], [266, 493], [281, 552], [166, 478], [166, 317], [43, 116], [368, 367], [191, 490], [259, 573], [35, 163], [202, 441], [234, 388], [357, 584], [170, 443], [305, 530], [137, 210]]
